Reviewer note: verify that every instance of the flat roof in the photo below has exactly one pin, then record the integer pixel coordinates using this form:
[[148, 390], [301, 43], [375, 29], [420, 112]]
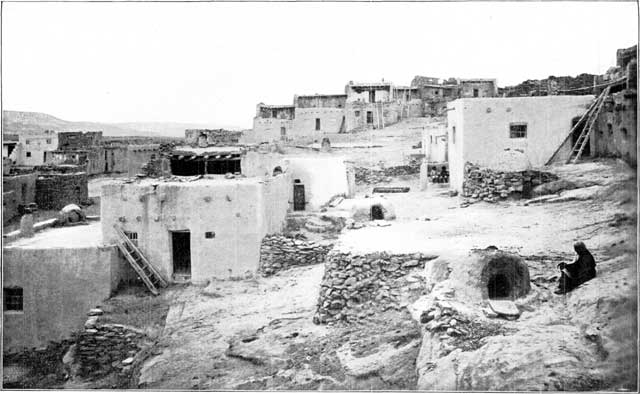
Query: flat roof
[[187, 181], [211, 150], [81, 236], [320, 95]]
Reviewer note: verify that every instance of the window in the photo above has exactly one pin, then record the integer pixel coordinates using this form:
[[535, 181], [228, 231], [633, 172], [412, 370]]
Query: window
[[518, 130], [453, 135], [28, 154], [13, 299], [132, 236], [357, 114], [283, 131], [317, 124], [27, 142], [274, 113], [476, 93], [48, 140], [209, 234]]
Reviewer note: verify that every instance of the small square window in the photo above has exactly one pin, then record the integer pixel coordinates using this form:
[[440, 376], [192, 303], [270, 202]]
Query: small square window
[[27, 142], [357, 113], [132, 236], [13, 299], [209, 234], [28, 154], [518, 130]]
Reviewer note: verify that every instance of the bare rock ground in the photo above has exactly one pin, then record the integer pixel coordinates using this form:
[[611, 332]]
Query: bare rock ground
[[258, 333]]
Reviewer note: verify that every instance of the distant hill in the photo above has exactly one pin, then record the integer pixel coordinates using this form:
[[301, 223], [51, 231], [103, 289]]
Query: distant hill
[[16, 122]]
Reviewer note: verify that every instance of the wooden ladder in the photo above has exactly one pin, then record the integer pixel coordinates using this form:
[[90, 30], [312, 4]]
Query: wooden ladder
[[147, 272], [592, 117]]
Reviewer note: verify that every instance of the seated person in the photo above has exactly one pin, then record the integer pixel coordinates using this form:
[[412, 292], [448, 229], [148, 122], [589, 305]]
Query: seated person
[[581, 270], [444, 175]]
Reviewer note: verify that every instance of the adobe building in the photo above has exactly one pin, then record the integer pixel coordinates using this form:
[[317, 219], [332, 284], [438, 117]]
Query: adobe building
[[271, 123], [33, 147], [18, 191], [51, 280], [479, 129], [477, 87], [210, 227], [434, 145]]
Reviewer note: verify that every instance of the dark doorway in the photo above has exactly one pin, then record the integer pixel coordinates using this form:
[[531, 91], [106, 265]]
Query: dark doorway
[[499, 286], [298, 197], [376, 212], [372, 96], [576, 134], [181, 245], [369, 117], [476, 93], [106, 162]]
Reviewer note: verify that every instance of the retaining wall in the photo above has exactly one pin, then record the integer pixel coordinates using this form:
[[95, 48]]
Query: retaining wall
[[278, 253], [352, 281], [490, 186]]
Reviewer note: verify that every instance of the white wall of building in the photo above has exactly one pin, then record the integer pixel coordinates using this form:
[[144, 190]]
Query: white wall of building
[[482, 128]]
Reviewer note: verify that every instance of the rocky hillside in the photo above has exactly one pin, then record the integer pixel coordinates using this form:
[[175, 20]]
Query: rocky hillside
[[16, 122]]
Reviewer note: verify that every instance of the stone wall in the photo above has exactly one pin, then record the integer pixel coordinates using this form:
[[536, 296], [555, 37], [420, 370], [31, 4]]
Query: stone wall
[[353, 285], [490, 186], [105, 348], [54, 191], [279, 252], [366, 175], [616, 127]]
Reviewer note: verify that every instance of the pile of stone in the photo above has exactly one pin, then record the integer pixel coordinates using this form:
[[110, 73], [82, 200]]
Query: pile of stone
[[366, 175], [354, 285], [105, 348], [483, 184], [279, 252]]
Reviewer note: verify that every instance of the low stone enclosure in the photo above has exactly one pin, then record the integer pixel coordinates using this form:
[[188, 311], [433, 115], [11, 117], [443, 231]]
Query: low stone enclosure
[[279, 252], [54, 191], [351, 280], [105, 348], [490, 186]]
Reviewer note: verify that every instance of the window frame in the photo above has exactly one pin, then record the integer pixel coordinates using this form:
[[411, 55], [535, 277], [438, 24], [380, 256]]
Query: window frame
[[518, 133], [16, 301]]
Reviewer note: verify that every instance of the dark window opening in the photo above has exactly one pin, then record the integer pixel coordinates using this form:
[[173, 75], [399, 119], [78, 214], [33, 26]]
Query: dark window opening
[[518, 130], [625, 132], [476, 93], [201, 166], [317, 124], [283, 131], [274, 113], [277, 171], [376, 212], [372, 96], [209, 234], [499, 286], [357, 114], [28, 154], [13, 299], [369, 117]]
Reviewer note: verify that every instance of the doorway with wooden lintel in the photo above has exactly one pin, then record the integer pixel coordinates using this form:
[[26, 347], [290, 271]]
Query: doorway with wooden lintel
[[181, 254]]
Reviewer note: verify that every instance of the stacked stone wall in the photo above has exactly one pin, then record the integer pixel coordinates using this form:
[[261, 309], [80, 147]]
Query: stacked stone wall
[[366, 175], [354, 286], [54, 191], [491, 186], [105, 348], [279, 252]]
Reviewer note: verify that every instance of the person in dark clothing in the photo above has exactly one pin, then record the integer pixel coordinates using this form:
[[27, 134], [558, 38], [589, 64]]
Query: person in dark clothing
[[444, 175], [581, 270]]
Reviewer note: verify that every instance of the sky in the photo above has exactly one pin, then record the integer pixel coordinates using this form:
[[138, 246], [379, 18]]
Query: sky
[[213, 62]]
